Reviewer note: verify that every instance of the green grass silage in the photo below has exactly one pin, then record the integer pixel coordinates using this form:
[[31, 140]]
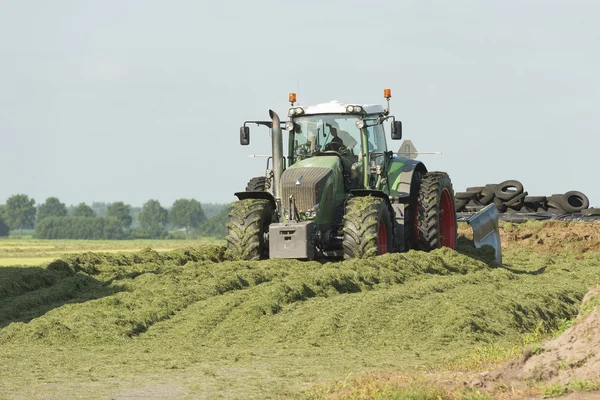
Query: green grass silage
[[269, 327]]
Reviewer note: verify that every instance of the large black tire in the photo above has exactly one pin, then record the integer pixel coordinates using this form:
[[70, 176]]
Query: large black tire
[[411, 235], [517, 200], [535, 199], [575, 201], [489, 189], [503, 191], [466, 195], [459, 205], [487, 194], [437, 217], [257, 184], [556, 202], [249, 221], [476, 189], [368, 229]]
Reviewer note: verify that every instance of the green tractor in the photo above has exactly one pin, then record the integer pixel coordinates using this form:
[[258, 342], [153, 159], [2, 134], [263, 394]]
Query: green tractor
[[339, 193]]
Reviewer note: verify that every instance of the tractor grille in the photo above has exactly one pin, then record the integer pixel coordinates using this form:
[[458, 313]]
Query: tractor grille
[[305, 184]]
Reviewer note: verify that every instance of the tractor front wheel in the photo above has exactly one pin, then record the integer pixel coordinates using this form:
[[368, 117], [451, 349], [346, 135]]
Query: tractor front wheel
[[248, 225], [367, 228], [436, 218]]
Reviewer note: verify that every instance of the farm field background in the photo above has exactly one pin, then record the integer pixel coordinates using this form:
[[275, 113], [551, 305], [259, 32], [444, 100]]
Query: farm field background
[[178, 320], [33, 252]]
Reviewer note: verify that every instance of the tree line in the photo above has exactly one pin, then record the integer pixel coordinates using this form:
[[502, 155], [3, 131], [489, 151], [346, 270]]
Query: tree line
[[54, 220]]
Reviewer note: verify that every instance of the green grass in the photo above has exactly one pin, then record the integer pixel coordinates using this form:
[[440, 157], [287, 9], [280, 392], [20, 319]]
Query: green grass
[[35, 252], [186, 321]]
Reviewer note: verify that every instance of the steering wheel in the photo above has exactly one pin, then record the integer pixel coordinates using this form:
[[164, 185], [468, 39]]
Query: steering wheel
[[302, 150], [335, 146]]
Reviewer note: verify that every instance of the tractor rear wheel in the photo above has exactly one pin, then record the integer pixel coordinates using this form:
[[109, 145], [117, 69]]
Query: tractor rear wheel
[[411, 235], [436, 220], [367, 228], [257, 184], [248, 225]]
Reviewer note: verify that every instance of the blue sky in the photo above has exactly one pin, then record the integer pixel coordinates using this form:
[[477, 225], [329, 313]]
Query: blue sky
[[131, 100]]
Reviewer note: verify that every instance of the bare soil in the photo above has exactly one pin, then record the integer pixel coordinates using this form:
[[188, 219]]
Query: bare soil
[[573, 356], [547, 237]]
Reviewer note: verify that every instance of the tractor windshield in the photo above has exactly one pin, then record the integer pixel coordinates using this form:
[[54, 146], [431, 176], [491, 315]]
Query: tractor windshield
[[332, 132]]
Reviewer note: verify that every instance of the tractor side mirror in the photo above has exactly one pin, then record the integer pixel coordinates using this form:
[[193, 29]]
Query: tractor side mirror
[[396, 130], [244, 136]]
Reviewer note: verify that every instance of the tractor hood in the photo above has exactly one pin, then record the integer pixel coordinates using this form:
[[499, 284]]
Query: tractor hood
[[313, 183]]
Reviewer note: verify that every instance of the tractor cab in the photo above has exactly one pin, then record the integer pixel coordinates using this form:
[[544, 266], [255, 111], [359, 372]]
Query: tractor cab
[[354, 132]]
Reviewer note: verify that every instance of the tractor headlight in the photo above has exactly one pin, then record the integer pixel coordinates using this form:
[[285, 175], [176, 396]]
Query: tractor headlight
[[350, 109], [360, 123], [295, 111], [358, 109], [289, 126]]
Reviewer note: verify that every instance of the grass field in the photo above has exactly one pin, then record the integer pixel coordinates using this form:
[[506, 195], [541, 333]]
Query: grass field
[[186, 323], [28, 251]]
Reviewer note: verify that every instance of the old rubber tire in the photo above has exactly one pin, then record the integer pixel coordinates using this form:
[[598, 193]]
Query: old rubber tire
[[459, 205], [489, 189], [535, 199], [437, 217], [575, 201], [476, 189], [487, 194], [466, 195], [249, 221], [503, 193], [368, 228], [556, 202], [257, 184], [517, 200], [591, 211]]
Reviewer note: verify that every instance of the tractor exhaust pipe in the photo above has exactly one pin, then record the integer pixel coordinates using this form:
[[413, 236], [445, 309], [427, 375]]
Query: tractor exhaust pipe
[[277, 142]]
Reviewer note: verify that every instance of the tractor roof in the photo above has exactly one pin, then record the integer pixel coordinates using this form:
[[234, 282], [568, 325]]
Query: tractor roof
[[336, 107]]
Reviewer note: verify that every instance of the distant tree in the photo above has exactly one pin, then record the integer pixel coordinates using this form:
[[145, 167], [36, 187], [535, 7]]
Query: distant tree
[[216, 226], [83, 210], [120, 211], [20, 211], [4, 229], [135, 214], [100, 209], [100, 228], [212, 209], [51, 208], [187, 214], [153, 219]]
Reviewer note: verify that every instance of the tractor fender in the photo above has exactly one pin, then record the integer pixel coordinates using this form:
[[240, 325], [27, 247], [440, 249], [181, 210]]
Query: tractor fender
[[257, 195], [404, 181], [374, 193], [370, 192]]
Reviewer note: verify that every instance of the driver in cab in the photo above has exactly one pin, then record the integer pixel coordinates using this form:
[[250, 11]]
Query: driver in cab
[[336, 142]]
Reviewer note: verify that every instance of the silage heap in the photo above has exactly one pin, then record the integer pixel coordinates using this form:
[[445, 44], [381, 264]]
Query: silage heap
[[396, 310]]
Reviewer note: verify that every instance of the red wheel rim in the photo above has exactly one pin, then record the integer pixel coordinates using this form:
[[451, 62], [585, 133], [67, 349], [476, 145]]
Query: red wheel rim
[[382, 238], [447, 221]]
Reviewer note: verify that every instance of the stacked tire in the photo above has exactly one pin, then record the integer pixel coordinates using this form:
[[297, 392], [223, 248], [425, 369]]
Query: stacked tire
[[510, 197]]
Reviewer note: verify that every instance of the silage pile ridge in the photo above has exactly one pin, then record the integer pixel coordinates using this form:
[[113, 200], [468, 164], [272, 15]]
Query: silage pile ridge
[[410, 302]]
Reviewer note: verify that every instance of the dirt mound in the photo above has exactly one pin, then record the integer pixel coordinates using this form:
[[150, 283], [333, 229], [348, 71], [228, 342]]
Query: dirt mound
[[568, 362], [547, 236]]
